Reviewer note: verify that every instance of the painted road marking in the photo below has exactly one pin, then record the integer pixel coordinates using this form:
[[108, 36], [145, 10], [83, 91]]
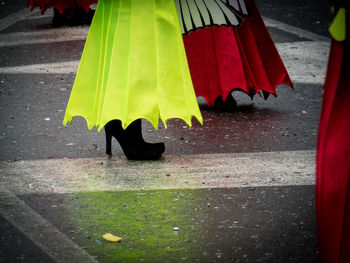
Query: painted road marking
[[186, 172], [58, 246], [306, 63], [53, 35], [16, 17], [69, 67], [294, 30]]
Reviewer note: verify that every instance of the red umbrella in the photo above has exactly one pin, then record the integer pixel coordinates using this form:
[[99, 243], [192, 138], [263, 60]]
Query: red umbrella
[[222, 59]]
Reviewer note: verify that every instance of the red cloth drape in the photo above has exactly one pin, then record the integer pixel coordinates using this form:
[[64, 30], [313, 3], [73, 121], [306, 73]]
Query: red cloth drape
[[222, 59], [60, 5], [333, 160]]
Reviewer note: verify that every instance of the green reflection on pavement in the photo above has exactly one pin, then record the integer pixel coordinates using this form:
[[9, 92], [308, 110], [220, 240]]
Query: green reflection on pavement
[[146, 220]]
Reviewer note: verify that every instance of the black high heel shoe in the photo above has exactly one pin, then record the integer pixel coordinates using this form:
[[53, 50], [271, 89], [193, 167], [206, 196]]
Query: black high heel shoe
[[131, 141]]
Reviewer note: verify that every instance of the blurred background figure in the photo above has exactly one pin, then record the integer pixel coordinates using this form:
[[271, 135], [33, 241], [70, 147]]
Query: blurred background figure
[[333, 152]]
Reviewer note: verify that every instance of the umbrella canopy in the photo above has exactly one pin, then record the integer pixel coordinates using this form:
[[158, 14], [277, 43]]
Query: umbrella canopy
[[195, 14]]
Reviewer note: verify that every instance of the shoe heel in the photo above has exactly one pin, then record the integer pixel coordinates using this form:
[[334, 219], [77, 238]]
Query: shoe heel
[[109, 135]]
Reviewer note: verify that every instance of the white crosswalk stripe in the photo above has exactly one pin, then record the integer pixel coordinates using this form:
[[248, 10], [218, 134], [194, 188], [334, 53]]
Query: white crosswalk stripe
[[54, 35], [172, 172], [15, 17]]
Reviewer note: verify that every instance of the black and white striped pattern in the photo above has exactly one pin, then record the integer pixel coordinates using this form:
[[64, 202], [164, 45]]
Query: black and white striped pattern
[[194, 14], [239, 5]]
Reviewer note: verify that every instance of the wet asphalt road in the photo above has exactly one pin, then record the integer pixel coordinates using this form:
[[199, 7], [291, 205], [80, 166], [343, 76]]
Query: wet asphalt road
[[243, 224], [32, 106]]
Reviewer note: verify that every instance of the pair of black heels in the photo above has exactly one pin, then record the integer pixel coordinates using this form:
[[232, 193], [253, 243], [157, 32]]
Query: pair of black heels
[[131, 141]]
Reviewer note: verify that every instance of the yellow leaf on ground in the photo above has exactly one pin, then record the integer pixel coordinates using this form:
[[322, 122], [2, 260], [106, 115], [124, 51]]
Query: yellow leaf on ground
[[111, 238]]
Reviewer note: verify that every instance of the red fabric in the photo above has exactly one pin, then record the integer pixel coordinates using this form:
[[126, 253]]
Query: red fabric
[[333, 160], [222, 59], [60, 5], [215, 63]]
